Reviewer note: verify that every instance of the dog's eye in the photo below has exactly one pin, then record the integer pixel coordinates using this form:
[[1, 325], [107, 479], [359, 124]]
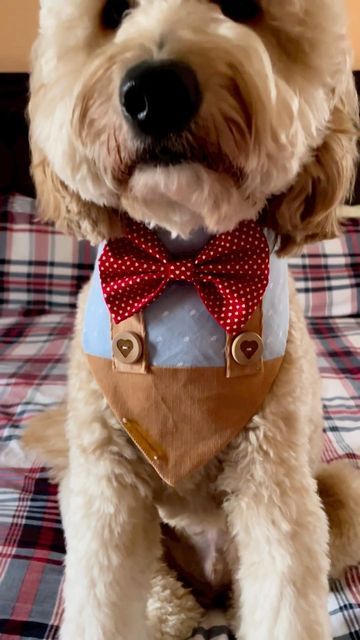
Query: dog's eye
[[112, 13], [240, 10]]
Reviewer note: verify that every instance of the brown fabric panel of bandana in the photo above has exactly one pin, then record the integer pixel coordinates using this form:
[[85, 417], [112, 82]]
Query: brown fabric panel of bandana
[[233, 368], [134, 324], [181, 418]]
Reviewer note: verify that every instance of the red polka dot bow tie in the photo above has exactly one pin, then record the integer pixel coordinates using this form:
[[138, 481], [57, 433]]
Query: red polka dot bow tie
[[230, 273]]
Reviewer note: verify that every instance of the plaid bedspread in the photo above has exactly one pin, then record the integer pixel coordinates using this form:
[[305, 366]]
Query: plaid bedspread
[[34, 343]]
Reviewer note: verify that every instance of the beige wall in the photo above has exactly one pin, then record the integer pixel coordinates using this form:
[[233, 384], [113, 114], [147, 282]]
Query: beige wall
[[18, 25], [354, 11], [18, 20]]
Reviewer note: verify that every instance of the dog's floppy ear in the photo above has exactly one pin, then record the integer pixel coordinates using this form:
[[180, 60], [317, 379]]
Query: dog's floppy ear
[[308, 211], [71, 214]]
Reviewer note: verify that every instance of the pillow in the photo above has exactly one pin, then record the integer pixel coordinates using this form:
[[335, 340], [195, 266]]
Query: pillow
[[41, 270], [327, 275]]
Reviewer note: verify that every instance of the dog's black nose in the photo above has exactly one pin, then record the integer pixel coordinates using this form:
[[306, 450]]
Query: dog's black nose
[[160, 98]]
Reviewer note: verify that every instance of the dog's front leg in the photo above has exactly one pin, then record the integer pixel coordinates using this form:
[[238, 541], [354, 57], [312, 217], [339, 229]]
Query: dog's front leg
[[113, 539], [281, 535]]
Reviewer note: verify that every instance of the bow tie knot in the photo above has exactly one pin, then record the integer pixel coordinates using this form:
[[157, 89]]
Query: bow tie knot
[[183, 269], [230, 273]]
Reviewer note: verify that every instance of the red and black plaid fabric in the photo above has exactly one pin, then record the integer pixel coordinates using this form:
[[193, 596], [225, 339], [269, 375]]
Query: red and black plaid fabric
[[40, 269], [328, 275], [33, 363]]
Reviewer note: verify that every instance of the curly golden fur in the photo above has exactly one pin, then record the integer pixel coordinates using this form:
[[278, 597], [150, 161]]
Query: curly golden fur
[[275, 139]]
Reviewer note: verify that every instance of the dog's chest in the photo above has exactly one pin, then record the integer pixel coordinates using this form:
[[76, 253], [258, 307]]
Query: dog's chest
[[170, 375], [201, 558], [196, 540]]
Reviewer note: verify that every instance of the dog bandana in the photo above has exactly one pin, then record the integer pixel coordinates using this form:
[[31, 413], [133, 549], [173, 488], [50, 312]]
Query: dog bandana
[[230, 274], [180, 385]]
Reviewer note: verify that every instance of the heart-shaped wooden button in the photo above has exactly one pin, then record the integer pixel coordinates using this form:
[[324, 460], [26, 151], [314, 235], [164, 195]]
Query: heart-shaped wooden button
[[127, 347], [247, 348]]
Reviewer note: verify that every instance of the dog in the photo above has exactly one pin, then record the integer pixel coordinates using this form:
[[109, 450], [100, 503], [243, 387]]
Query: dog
[[172, 116]]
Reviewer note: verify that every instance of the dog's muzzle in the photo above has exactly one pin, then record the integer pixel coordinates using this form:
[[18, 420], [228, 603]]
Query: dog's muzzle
[[160, 98]]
